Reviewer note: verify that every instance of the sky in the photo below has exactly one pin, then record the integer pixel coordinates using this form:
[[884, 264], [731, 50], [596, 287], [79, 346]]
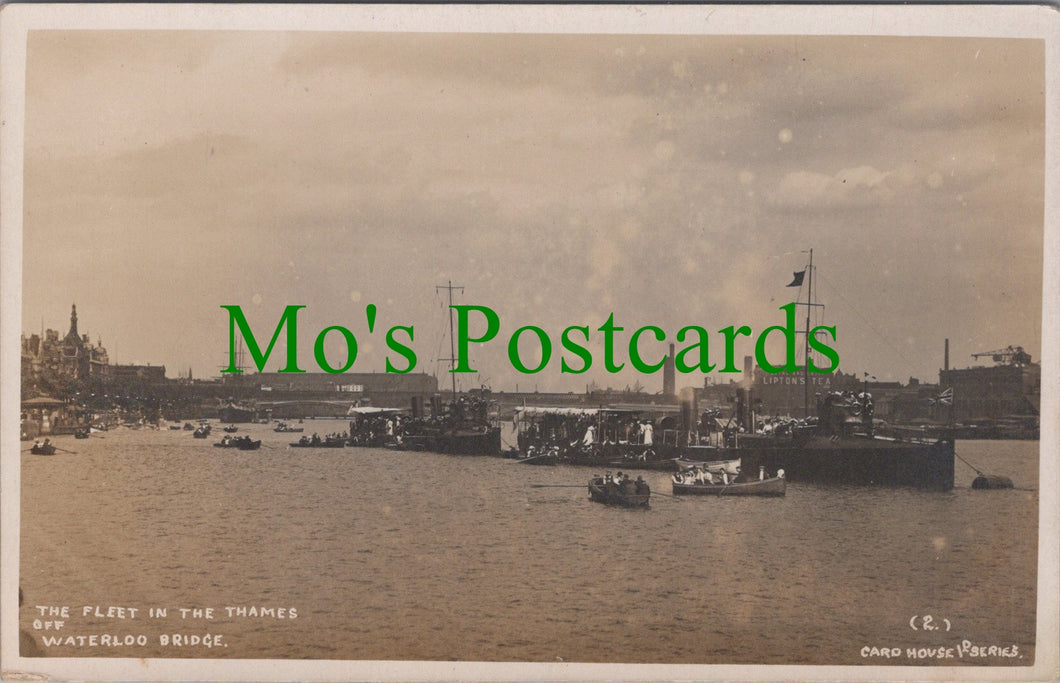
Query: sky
[[559, 179]]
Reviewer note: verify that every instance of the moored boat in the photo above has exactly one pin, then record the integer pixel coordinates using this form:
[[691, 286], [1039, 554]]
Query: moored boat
[[617, 437], [620, 491], [466, 425], [842, 448], [842, 444]]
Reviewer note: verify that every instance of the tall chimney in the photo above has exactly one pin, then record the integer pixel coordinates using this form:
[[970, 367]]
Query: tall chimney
[[946, 357], [669, 378]]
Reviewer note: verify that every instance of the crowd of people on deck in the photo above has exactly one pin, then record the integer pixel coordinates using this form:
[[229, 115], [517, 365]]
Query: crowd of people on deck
[[841, 412], [328, 440], [621, 434], [628, 430], [469, 413], [582, 436], [395, 428]]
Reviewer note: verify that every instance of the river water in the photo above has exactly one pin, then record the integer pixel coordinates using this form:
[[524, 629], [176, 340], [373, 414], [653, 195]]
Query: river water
[[376, 554]]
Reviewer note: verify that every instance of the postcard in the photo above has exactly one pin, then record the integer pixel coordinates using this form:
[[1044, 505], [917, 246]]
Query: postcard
[[529, 342]]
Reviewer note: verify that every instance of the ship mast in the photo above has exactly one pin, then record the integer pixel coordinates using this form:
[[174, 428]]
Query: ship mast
[[809, 304], [452, 340], [806, 341], [240, 363]]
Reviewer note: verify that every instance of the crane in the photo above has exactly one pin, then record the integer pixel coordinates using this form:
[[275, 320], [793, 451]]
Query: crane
[[1010, 355]]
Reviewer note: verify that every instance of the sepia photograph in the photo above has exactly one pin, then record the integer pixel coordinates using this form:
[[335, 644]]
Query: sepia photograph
[[408, 342]]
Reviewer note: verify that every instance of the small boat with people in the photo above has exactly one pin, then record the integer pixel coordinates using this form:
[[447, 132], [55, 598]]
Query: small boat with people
[[201, 432], [283, 427], [619, 490], [231, 429], [82, 433], [243, 443], [705, 480], [46, 448]]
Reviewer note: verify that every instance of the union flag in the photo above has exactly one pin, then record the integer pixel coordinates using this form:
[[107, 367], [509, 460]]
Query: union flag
[[945, 398]]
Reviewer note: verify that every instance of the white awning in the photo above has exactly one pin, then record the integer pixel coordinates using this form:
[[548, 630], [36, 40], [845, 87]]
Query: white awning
[[373, 410], [532, 411]]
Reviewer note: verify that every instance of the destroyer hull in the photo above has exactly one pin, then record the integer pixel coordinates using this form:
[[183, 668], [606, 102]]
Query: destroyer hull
[[863, 462], [456, 442]]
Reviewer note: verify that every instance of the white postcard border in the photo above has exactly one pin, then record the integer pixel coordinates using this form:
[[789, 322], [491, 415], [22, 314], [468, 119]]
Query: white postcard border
[[997, 21]]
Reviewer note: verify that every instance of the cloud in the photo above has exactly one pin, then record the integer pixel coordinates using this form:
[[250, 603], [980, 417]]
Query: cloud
[[559, 178], [861, 186]]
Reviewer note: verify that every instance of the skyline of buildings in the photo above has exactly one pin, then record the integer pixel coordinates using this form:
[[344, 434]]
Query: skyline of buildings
[[1011, 386]]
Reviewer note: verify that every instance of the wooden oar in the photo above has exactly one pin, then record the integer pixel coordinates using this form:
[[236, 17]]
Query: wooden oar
[[53, 446], [532, 457]]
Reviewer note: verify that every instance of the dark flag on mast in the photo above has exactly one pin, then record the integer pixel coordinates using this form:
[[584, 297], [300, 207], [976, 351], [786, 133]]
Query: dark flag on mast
[[797, 282]]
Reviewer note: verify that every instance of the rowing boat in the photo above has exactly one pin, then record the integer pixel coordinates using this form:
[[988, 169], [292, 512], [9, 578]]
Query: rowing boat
[[773, 486], [628, 494]]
